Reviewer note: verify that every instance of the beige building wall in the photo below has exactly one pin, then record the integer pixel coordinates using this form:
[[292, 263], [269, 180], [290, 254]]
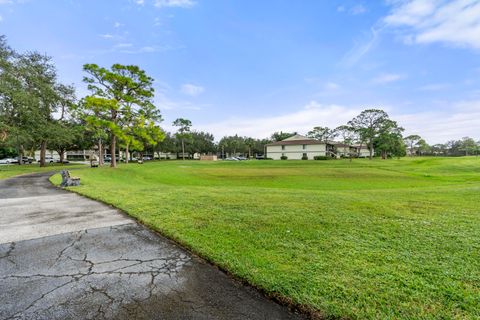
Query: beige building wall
[[295, 152]]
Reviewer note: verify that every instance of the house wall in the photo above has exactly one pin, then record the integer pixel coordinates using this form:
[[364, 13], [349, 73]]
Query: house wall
[[295, 152]]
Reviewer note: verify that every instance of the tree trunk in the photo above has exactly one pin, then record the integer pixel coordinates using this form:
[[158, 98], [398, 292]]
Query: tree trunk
[[61, 153], [100, 152], [371, 149], [43, 151], [20, 155], [127, 154], [183, 150], [113, 150]]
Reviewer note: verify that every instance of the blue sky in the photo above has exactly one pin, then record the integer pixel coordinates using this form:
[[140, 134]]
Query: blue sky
[[254, 67]]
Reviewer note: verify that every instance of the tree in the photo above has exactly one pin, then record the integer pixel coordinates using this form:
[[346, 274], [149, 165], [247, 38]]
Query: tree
[[323, 134], [28, 99], [389, 141], [120, 96], [423, 147], [183, 131], [411, 141], [167, 145], [348, 135], [201, 142], [369, 124], [279, 136], [468, 145], [65, 138]]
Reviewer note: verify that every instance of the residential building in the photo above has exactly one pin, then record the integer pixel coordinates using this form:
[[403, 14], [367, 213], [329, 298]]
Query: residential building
[[298, 147]]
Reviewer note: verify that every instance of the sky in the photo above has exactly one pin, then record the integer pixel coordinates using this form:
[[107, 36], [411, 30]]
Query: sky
[[252, 67]]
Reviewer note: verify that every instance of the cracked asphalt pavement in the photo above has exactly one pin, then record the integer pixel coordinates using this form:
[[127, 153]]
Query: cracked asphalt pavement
[[63, 256]]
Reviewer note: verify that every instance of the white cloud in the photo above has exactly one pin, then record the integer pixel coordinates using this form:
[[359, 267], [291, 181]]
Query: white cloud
[[106, 36], [427, 21], [117, 24], [140, 2], [303, 120], [174, 3], [434, 87], [191, 89], [361, 48], [124, 45], [341, 8], [332, 86], [1, 18], [460, 120], [388, 78], [358, 9]]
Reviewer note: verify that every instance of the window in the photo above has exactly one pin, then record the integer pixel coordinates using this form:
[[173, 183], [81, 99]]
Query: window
[[304, 154], [283, 147], [304, 147]]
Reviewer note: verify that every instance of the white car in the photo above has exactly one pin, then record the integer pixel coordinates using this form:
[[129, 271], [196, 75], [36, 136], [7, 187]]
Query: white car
[[8, 161]]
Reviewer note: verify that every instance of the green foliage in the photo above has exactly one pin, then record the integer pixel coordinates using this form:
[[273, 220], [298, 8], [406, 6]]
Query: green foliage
[[121, 104], [279, 136], [304, 157], [183, 132], [321, 158], [323, 134], [369, 124], [283, 158], [29, 98]]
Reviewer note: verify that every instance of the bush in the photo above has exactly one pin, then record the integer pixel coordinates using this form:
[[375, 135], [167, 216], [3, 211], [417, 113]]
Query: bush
[[320, 158], [304, 157], [283, 157]]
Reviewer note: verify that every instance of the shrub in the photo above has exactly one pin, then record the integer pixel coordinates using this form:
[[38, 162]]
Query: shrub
[[283, 157], [320, 158], [304, 157]]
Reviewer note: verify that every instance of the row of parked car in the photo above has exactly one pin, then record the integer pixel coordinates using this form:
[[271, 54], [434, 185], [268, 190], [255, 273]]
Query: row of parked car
[[29, 160], [109, 159], [240, 158]]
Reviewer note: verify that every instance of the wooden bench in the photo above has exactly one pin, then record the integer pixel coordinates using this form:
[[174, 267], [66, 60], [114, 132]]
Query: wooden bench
[[69, 181]]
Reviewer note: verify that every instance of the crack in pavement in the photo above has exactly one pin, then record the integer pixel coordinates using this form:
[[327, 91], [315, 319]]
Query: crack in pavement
[[122, 271]]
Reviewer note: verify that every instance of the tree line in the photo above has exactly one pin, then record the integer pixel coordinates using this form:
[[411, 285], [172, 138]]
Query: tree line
[[38, 112]]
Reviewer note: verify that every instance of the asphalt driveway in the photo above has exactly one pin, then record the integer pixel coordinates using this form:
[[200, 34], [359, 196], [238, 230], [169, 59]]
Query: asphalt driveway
[[63, 256]]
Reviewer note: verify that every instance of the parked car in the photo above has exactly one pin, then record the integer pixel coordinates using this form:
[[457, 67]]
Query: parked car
[[25, 159], [8, 161], [49, 159], [64, 161], [231, 159], [146, 158], [241, 158]]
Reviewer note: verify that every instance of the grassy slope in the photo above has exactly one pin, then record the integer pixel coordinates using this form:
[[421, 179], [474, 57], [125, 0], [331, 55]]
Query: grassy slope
[[380, 239], [8, 171]]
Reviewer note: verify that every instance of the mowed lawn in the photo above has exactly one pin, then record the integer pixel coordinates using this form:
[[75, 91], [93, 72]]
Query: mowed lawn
[[11, 170], [394, 239]]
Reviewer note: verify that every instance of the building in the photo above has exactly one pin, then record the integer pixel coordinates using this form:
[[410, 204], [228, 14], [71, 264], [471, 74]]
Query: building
[[298, 147]]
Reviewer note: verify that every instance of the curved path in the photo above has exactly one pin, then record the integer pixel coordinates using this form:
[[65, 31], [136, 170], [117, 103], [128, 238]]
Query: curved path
[[63, 256]]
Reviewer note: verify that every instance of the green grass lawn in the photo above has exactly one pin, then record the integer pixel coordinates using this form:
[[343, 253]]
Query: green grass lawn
[[8, 171], [395, 239]]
